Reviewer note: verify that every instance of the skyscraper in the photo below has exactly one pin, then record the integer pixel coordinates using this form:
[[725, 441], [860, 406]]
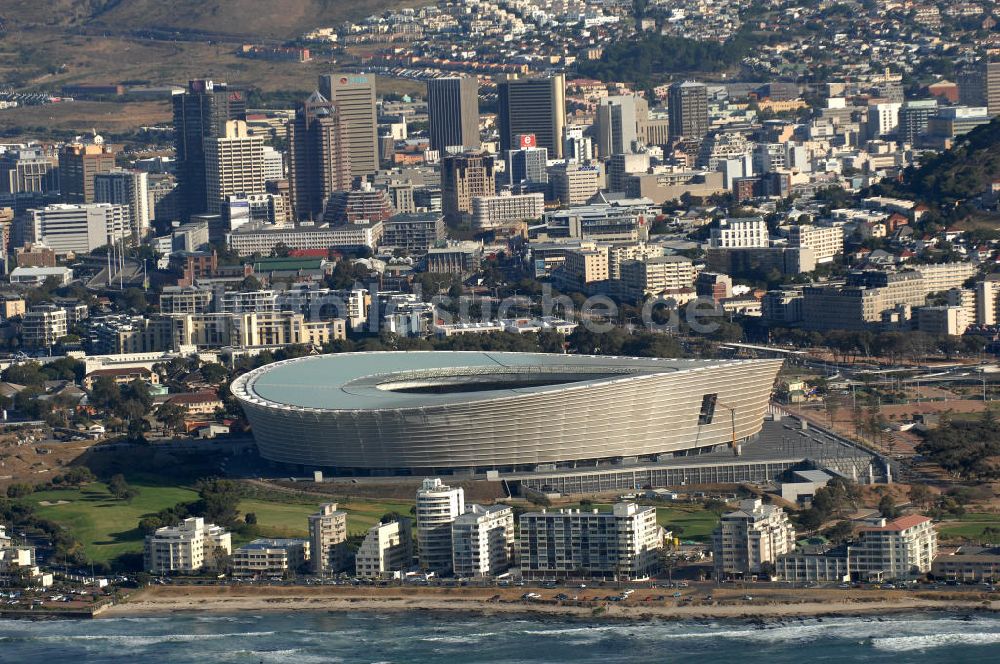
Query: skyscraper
[[319, 161], [979, 85], [79, 162], [128, 188], [463, 177], [199, 113], [532, 106], [234, 164], [453, 108], [687, 105], [354, 96]]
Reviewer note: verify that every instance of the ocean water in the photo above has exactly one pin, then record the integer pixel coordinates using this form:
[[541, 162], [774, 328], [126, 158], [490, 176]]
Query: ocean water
[[306, 637]]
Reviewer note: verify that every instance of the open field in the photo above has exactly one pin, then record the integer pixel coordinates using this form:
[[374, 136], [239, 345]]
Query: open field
[[107, 527], [277, 519], [79, 117], [971, 526], [690, 522]]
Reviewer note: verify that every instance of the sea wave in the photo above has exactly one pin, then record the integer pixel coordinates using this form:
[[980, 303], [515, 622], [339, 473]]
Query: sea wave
[[931, 641]]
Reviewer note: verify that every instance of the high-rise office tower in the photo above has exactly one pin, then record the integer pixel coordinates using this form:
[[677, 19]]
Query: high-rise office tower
[[319, 160], [687, 104], [453, 108], [616, 125], [532, 106], [79, 228], [354, 96], [463, 177], [79, 162], [979, 85], [31, 169], [128, 188], [200, 112], [234, 164]]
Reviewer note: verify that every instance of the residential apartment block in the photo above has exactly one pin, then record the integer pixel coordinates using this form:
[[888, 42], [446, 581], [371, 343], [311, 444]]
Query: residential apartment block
[[622, 544], [749, 539], [483, 541], [327, 537], [187, 548]]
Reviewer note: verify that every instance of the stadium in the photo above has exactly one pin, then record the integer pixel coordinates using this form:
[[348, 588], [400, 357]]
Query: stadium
[[466, 411]]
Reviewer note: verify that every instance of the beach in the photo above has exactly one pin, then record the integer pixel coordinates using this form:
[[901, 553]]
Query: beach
[[725, 603]]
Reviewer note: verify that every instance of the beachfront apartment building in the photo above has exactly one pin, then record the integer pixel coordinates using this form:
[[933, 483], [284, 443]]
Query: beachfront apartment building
[[903, 548], [482, 541], [622, 544], [438, 505], [387, 548], [270, 558], [186, 548], [749, 539], [327, 539]]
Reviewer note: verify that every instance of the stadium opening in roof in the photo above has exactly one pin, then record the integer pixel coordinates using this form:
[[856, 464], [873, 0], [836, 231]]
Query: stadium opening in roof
[[469, 411]]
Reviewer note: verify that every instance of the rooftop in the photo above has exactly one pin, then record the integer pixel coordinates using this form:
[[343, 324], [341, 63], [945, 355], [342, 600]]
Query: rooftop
[[385, 380]]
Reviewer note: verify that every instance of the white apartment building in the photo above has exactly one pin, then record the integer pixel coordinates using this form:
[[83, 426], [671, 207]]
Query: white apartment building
[[327, 535], [739, 234], [387, 548], [489, 212], [188, 547], [270, 558], [883, 118], [940, 277], [44, 325], [900, 549], [79, 229], [252, 238], [942, 321], [825, 241], [438, 505], [622, 544], [987, 298], [752, 536], [656, 275], [482, 541], [128, 188]]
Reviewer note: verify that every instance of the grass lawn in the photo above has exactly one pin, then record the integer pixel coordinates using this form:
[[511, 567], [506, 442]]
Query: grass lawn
[[696, 521], [970, 526], [290, 519], [106, 527]]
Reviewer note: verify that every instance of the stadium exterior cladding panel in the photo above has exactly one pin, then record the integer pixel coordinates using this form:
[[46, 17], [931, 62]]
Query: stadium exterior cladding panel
[[478, 410]]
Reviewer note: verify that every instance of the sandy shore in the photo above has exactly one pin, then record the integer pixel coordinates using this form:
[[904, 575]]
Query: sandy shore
[[725, 603]]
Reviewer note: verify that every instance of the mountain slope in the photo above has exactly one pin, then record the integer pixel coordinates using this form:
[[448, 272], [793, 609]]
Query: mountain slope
[[279, 19]]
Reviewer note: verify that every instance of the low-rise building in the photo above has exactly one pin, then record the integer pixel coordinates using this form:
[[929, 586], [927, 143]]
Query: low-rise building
[[270, 558], [188, 548], [982, 566]]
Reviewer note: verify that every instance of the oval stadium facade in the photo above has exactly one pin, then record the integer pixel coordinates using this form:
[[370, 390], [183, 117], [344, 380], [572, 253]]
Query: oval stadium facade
[[429, 411]]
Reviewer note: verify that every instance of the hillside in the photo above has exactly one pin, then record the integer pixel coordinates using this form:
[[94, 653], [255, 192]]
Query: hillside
[[280, 19], [960, 173]]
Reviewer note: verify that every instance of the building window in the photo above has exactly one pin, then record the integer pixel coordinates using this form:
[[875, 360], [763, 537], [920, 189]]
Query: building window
[[707, 408]]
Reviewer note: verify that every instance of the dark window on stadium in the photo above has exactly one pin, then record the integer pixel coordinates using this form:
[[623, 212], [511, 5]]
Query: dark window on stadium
[[707, 408]]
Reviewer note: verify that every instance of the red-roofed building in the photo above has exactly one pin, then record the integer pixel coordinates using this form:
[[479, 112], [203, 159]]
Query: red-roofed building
[[903, 548], [197, 403]]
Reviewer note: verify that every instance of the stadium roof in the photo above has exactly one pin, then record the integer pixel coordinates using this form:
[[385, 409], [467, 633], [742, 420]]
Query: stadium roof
[[381, 380]]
